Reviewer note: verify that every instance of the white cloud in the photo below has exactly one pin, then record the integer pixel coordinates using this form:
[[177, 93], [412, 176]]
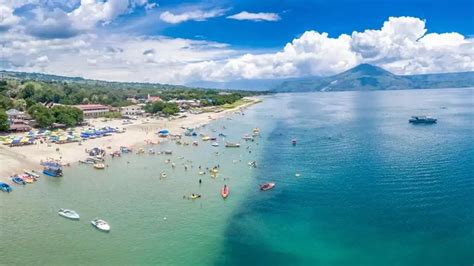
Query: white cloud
[[7, 18], [402, 45], [244, 15], [196, 15]]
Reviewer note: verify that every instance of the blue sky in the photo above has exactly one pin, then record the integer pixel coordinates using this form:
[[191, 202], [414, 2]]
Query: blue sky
[[188, 41]]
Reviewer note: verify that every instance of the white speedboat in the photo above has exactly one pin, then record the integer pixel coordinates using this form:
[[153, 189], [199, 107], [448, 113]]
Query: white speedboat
[[215, 144], [101, 225], [70, 214]]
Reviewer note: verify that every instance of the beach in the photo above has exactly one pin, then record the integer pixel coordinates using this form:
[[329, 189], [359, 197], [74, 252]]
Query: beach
[[16, 159]]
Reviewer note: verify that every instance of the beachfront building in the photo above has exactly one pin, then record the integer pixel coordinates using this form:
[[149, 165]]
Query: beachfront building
[[15, 114], [186, 104], [152, 99], [132, 110], [19, 125], [93, 110]]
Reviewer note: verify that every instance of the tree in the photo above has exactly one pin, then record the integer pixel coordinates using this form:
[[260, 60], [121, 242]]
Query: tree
[[19, 104], [70, 116], [28, 91], [43, 115], [4, 125]]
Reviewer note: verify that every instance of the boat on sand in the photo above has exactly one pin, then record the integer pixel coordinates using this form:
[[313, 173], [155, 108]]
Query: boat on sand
[[18, 180], [5, 187]]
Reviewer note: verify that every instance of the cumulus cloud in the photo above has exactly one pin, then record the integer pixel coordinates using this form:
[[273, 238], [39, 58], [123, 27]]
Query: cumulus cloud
[[401, 46], [196, 15], [7, 18], [244, 15]]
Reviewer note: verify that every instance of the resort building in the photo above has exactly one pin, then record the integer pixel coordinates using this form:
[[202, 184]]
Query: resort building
[[15, 114], [186, 104], [93, 110], [135, 110], [152, 99], [19, 125]]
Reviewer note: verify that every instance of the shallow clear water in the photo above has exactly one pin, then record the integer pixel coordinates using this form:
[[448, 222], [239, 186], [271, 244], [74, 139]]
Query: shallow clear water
[[373, 190]]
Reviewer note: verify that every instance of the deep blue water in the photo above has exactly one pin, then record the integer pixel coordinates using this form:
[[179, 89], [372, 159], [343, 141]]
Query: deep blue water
[[373, 190]]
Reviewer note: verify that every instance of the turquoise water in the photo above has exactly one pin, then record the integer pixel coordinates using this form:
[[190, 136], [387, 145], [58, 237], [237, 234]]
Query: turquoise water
[[373, 190]]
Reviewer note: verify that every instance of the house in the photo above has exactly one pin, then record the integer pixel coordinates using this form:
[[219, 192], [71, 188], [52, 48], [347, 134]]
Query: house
[[186, 104], [19, 125], [132, 100], [152, 99], [15, 114], [134, 110], [93, 110]]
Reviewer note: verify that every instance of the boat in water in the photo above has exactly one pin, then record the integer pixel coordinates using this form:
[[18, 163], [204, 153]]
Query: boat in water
[[267, 186], [163, 175], [195, 196], [53, 171], [293, 141], [232, 145], [5, 187], [225, 191], [27, 179], [70, 214], [215, 144], [101, 225], [422, 120], [18, 180], [99, 166]]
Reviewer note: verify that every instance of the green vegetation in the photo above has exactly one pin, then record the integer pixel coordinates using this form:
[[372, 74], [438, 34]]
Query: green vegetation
[[4, 126], [113, 115], [163, 107], [45, 117]]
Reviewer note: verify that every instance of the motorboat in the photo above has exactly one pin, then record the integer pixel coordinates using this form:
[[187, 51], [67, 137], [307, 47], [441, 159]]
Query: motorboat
[[422, 120], [267, 186], [215, 144], [253, 164], [247, 137], [53, 171], [163, 175], [5, 187], [232, 145], [168, 152], [70, 214], [225, 191], [18, 180], [195, 143], [101, 225], [293, 141]]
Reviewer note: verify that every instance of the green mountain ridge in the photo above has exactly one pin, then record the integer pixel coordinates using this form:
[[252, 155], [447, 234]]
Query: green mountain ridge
[[366, 77]]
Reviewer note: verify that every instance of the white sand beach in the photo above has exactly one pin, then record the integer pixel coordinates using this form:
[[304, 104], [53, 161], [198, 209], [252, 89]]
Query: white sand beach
[[15, 159]]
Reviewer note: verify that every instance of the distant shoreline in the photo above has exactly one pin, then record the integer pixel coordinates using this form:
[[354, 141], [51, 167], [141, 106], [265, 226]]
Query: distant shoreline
[[15, 159]]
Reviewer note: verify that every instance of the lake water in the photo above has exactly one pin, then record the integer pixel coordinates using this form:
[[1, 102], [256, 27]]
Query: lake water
[[373, 190]]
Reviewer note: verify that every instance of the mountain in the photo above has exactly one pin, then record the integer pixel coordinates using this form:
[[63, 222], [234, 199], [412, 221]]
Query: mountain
[[366, 77]]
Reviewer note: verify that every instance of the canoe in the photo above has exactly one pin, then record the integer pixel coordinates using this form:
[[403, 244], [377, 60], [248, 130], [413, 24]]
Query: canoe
[[225, 191], [69, 214], [267, 186], [101, 225]]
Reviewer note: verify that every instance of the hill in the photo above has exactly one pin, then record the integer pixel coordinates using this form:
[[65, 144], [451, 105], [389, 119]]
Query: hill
[[369, 77]]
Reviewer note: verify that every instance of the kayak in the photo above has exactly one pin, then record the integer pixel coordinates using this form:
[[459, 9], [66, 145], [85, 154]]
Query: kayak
[[225, 191], [267, 186]]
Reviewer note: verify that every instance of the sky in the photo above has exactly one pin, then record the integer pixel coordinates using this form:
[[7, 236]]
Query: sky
[[181, 42]]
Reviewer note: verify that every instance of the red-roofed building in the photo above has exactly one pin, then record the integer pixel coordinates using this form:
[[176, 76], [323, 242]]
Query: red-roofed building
[[93, 110], [152, 99]]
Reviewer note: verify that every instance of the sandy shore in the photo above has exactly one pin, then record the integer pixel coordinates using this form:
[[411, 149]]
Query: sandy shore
[[15, 159]]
